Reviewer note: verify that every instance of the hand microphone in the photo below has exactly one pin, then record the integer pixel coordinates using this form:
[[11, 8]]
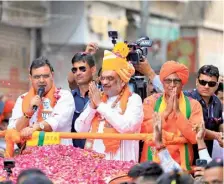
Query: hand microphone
[[40, 93]]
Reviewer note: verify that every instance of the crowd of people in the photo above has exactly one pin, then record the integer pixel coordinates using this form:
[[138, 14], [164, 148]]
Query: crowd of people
[[187, 126]]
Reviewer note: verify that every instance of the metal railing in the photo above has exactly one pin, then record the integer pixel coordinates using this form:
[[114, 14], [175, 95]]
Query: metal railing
[[12, 137]]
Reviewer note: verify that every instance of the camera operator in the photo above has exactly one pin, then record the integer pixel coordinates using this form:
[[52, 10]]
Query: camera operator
[[144, 68]]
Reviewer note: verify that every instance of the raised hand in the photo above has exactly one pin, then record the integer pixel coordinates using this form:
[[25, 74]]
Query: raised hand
[[92, 104], [95, 94], [200, 131], [157, 128], [144, 67], [169, 107], [175, 101], [91, 48]]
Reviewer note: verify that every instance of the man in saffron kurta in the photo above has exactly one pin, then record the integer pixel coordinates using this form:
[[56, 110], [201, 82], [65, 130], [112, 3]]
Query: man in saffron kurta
[[179, 114], [116, 110]]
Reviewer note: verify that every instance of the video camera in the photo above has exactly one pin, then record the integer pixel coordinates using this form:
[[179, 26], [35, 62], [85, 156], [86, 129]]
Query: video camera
[[138, 49]]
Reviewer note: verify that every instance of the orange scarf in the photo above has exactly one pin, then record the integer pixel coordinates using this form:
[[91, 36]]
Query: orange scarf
[[50, 95], [111, 145]]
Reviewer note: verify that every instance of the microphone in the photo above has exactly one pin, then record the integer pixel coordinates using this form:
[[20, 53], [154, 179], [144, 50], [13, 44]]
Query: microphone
[[40, 93]]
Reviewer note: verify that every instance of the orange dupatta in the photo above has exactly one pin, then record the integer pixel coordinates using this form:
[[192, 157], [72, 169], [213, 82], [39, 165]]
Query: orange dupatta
[[111, 145], [31, 93]]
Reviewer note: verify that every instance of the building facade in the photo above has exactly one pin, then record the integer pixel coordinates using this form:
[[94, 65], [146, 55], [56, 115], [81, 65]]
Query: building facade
[[186, 31]]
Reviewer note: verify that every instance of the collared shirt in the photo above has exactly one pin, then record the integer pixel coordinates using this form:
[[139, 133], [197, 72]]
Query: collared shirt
[[60, 118], [80, 104], [212, 113]]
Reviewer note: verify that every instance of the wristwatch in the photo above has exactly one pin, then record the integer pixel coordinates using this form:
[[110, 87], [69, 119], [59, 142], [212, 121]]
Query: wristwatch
[[41, 125]]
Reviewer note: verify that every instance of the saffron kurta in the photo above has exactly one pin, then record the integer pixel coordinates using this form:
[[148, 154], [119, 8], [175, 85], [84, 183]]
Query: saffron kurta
[[176, 124]]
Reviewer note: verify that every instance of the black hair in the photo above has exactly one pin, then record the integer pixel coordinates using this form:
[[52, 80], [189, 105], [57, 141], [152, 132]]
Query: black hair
[[152, 172], [209, 70], [135, 171], [84, 57], [220, 88], [30, 172], [218, 162], [175, 176], [39, 62], [37, 180], [149, 170]]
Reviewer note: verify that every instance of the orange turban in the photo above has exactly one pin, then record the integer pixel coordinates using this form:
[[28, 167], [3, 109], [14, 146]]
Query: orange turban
[[174, 67], [116, 61]]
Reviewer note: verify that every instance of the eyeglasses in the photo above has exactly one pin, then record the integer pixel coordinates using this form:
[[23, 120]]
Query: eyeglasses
[[210, 83], [81, 68], [45, 76], [175, 81]]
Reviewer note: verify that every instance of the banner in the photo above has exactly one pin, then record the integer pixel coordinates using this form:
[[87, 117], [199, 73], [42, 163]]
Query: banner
[[183, 50]]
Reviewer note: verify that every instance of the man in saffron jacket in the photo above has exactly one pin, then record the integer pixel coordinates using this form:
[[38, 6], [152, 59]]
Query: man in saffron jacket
[[117, 110], [179, 115]]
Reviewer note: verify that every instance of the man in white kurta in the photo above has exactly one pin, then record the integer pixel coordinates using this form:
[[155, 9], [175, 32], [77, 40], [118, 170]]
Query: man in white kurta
[[117, 108], [54, 110]]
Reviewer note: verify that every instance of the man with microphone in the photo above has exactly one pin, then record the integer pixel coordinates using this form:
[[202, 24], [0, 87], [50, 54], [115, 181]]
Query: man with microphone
[[44, 107]]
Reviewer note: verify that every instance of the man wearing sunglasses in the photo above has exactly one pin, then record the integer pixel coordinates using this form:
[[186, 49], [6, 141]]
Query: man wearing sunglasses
[[44, 107], [116, 110], [83, 70], [91, 48], [206, 85], [179, 115]]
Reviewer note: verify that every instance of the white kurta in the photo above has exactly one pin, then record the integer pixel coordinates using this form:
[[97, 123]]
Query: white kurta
[[129, 122], [60, 118]]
